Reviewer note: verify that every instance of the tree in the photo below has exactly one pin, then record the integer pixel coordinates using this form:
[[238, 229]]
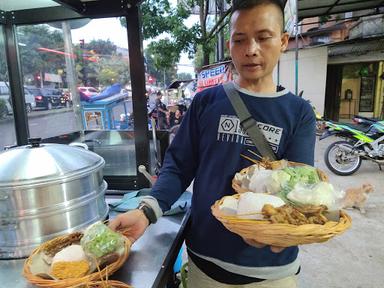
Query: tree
[[34, 56], [103, 47], [154, 68], [158, 17], [104, 53], [184, 76]]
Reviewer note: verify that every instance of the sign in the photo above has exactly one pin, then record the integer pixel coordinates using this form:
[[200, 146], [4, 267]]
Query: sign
[[213, 76], [290, 14], [48, 77]]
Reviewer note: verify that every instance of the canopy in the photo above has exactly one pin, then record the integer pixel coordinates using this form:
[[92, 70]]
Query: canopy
[[313, 8]]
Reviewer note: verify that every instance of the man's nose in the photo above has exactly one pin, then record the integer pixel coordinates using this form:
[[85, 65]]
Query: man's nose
[[253, 48]]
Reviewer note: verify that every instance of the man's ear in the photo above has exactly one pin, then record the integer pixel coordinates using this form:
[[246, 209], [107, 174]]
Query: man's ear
[[227, 44], [284, 41]]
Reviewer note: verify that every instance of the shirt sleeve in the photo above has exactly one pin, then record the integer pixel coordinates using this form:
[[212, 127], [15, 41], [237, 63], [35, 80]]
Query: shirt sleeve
[[180, 161], [301, 146]]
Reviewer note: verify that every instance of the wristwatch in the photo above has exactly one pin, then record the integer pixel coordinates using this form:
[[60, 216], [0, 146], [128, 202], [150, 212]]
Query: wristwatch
[[148, 212]]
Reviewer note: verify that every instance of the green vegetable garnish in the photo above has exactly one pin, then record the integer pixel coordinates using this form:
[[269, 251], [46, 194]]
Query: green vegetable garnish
[[99, 240]]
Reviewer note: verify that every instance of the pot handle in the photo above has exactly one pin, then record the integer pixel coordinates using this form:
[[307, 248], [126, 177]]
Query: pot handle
[[81, 145]]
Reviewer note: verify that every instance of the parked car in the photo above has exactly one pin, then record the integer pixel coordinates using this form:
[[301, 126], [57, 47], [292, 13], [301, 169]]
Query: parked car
[[47, 97], [87, 92], [30, 102]]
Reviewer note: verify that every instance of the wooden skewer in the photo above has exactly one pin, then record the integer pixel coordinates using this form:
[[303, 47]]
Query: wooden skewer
[[250, 159], [254, 153]]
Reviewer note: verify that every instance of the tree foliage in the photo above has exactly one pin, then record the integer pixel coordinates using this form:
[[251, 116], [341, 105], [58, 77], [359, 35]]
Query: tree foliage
[[102, 47], [32, 40], [159, 17], [98, 63]]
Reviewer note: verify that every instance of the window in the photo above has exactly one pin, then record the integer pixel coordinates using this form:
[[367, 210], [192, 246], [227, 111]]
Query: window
[[7, 125], [80, 78]]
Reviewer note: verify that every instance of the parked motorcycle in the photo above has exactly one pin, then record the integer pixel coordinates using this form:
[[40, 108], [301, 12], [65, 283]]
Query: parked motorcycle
[[320, 124], [361, 143], [365, 121]]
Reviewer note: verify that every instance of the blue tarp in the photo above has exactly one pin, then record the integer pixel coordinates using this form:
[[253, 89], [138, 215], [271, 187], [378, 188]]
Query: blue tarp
[[107, 92]]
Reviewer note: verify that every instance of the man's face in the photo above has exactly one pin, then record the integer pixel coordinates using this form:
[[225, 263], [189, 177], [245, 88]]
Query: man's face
[[256, 41]]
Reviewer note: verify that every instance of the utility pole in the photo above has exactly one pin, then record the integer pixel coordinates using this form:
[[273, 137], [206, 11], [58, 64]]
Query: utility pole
[[71, 77], [220, 36]]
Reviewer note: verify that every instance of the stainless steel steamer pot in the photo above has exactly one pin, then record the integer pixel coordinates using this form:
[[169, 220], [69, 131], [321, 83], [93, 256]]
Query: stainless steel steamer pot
[[47, 190]]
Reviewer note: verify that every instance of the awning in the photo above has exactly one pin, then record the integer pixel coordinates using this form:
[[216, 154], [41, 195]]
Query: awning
[[356, 47], [178, 84], [313, 8]]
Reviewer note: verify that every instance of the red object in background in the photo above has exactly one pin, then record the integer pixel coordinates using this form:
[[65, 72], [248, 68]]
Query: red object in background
[[151, 79]]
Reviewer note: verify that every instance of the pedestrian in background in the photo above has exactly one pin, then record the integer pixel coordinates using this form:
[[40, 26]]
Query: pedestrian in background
[[161, 111]]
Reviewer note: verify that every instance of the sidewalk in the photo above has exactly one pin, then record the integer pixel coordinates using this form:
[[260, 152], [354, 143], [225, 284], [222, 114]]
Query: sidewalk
[[354, 259]]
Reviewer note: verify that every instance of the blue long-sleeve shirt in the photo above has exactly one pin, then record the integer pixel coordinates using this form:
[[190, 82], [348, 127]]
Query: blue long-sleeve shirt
[[207, 149]]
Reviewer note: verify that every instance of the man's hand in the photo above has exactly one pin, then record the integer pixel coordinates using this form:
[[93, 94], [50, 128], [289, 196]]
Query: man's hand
[[132, 224], [251, 242]]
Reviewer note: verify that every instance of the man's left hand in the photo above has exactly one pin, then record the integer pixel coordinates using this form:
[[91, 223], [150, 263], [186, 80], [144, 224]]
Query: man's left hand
[[251, 242]]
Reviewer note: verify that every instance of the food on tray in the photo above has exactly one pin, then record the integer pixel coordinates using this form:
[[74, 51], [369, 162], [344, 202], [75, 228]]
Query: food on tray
[[229, 205], [71, 262], [297, 206], [252, 203], [292, 215], [321, 193], [55, 245], [99, 240], [78, 254], [261, 180]]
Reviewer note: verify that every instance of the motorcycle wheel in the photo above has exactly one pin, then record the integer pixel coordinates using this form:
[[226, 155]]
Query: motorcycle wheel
[[333, 158]]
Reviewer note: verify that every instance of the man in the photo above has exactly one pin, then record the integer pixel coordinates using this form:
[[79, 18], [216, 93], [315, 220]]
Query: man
[[207, 149], [161, 110]]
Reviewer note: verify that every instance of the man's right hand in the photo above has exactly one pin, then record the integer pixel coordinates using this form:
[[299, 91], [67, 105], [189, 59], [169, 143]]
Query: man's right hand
[[133, 224]]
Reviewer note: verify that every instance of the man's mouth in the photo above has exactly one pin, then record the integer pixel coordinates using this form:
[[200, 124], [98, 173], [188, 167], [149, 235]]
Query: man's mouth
[[252, 65]]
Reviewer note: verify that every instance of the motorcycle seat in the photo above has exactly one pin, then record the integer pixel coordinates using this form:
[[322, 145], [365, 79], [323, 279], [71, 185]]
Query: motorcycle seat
[[362, 128]]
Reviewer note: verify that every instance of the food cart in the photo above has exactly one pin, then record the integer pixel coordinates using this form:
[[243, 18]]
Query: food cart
[[103, 114]]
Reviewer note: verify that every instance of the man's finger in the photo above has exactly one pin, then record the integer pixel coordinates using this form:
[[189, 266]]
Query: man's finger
[[277, 249], [114, 224], [253, 243]]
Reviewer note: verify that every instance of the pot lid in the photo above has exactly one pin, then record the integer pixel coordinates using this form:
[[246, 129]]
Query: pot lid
[[42, 163]]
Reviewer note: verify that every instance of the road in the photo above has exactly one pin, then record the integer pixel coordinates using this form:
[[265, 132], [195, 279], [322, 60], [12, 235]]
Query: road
[[42, 124], [354, 259], [45, 124]]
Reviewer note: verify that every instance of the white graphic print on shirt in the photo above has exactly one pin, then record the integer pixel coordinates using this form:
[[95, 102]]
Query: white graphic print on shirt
[[229, 130]]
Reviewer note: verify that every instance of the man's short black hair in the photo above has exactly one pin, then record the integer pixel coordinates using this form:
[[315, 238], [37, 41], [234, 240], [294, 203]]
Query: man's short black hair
[[249, 4]]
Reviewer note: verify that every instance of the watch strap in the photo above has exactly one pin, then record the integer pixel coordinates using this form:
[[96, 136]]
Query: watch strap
[[148, 212]]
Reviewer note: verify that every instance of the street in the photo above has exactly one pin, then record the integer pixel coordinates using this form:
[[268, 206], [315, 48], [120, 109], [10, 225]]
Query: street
[[42, 123], [354, 259], [50, 123]]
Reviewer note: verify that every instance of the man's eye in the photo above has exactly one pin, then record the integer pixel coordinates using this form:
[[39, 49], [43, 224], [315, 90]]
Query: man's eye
[[264, 38], [238, 40]]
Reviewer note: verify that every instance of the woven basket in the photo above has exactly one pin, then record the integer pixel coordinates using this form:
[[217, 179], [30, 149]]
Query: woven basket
[[107, 283], [72, 282], [276, 234], [236, 185]]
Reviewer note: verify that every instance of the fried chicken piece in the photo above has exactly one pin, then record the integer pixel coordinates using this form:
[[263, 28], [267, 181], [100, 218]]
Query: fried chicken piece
[[287, 214], [269, 210], [57, 245]]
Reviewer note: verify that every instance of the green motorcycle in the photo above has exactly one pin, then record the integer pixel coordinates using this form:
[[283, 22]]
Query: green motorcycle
[[361, 143]]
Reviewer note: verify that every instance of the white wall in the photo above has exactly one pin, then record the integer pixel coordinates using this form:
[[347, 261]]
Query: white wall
[[312, 74]]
